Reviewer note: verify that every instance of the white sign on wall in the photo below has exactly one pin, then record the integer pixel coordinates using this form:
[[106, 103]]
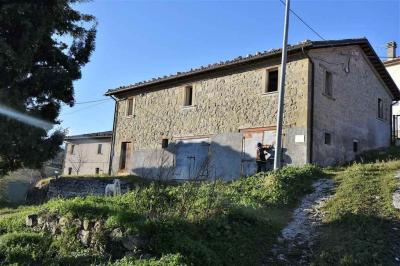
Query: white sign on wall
[[299, 138]]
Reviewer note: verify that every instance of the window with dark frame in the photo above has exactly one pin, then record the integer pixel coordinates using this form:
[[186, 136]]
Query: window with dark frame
[[99, 148], [69, 170], [355, 145], [328, 84], [380, 108], [129, 107], [72, 148], [164, 143], [97, 170], [272, 80], [188, 96], [328, 139]]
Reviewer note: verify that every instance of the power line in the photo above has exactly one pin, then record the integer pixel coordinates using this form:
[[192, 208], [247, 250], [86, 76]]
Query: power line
[[87, 107], [305, 23], [94, 101]]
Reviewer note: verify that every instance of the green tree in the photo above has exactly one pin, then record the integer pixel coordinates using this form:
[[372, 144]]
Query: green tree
[[43, 46]]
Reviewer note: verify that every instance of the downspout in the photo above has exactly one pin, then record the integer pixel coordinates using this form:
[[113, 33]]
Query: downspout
[[113, 135], [392, 124], [311, 123]]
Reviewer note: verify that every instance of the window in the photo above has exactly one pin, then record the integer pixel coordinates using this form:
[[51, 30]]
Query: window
[[125, 154], [129, 107], [99, 147], [355, 145], [271, 80], [328, 84], [188, 96], [164, 143], [72, 148], [380, 108], [69, 170], [328, 138], [97, 170]]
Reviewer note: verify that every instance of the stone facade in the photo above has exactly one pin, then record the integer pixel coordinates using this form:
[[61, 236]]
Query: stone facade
[[231, 111], [351, 114], [85, 158], [222, 104]]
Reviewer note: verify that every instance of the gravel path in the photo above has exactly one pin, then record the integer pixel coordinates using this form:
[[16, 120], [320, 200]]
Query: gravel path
[[295, 245]]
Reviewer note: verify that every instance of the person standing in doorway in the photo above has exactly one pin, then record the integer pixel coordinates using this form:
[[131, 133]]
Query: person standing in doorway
[[261, 159]]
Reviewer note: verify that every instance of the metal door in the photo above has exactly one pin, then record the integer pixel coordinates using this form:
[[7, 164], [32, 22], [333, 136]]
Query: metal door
[[191, 158]]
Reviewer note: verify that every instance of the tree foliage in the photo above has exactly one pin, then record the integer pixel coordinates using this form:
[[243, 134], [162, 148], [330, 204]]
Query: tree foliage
[[43, 46]]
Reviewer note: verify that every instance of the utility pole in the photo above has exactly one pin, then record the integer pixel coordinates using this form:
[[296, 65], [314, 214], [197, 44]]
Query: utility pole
[[278, 148]]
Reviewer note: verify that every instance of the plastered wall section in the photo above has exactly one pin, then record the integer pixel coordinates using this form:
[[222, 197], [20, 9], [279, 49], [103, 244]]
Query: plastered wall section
[[351, 114], [394, 71], [221, 104], [86, 157]]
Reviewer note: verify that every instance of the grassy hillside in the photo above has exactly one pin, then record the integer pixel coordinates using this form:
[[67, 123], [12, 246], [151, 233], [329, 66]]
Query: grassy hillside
[[212, 223], [359, 219]]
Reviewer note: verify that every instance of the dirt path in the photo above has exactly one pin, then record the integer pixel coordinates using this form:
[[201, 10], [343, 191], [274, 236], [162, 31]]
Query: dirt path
[[295, 245]]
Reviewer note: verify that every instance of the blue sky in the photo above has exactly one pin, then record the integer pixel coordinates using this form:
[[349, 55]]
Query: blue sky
[[139, 40]]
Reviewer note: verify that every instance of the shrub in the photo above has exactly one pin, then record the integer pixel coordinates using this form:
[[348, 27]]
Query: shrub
[[24, 248]]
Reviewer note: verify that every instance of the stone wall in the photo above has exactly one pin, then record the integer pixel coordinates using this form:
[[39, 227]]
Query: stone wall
[[352, 112], [221, 104], [71, 187]]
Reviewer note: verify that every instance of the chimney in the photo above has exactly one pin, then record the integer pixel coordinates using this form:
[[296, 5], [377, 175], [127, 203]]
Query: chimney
[[391, 50]]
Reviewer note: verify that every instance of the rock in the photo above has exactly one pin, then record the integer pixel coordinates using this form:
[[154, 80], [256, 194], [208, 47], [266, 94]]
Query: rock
[[31, 220], [84, 237], [134, 242], [98, 225], [116, 234], [396, 199], [41, 220], [77, 223], [86, 224], [63, 222], [53, 228]]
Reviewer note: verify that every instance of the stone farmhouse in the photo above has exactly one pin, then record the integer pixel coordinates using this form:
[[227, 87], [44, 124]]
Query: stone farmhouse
[[206, 122], [87, 154]]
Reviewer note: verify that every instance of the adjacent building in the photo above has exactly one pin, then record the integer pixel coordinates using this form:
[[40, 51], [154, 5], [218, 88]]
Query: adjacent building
[[87, 154], [206, 122], [392, 64]]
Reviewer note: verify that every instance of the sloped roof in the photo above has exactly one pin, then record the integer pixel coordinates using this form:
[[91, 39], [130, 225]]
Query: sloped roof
[[104, 134], [253, 58], [392, 62]]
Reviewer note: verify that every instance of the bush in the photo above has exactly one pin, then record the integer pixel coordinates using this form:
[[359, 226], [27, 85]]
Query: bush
[[24, 248]]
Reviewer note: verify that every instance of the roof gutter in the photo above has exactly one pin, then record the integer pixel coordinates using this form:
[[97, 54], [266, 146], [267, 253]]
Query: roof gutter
[[113, 135], [310, 128]]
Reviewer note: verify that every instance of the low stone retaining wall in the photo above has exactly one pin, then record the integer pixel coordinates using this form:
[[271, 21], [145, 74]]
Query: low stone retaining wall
[[70, 187], [92, 234]]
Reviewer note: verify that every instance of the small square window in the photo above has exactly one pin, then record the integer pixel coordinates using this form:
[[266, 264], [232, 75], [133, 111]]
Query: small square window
[[355, 145], [69, 170], [129, 107], [271, 80], [328, 84], [164, 143], [99, 148], [188, 96], [380, 108], [328, 139], [97, 170]]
